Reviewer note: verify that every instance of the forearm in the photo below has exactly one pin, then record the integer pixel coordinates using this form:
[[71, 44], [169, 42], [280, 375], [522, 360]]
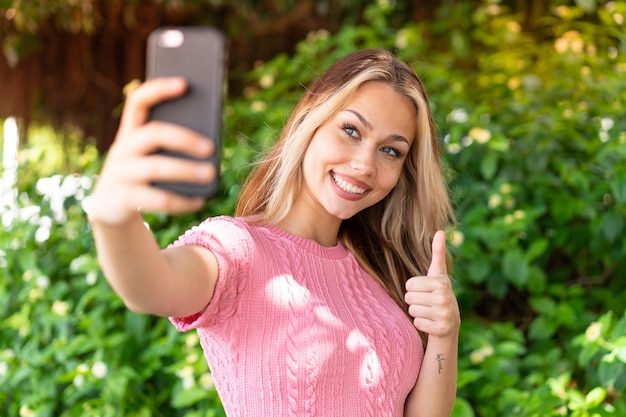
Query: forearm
[[133, 264], [435, 390]]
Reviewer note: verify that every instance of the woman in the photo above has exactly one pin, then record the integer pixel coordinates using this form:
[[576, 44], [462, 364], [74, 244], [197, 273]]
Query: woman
[[319, 296]]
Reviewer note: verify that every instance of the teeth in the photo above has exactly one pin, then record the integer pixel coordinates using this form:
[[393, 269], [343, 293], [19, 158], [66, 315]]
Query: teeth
[[349, 188]]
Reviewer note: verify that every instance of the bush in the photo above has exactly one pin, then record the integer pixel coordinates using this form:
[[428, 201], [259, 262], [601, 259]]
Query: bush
[[534, 140]]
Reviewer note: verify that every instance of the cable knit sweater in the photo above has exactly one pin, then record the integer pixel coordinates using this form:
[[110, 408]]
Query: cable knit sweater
[[298, 329]]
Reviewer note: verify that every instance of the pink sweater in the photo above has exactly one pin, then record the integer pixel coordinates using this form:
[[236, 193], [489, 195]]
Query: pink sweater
[[298, 329]]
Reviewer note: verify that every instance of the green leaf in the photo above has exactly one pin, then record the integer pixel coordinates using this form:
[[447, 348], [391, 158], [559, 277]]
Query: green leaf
[[543, 305], [621, 353], [576, 400], [536, 280], [478, 270], [595, 397], [618, 188], [462, 408], [489, 165], [541, 328], [612, 225], [587, 353], [468, 376], [536, 249], [587, 5], [608, 372], [188, 397], [515, 267]]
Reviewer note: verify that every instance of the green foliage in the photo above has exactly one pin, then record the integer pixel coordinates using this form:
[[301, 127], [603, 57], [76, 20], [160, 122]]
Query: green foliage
[[68, 345], [535, 144]]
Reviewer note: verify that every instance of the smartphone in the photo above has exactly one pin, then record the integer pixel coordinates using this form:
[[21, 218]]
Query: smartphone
[[199, 55]]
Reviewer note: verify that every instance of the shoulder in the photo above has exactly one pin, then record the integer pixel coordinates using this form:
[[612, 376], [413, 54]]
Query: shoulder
[[229, 231]]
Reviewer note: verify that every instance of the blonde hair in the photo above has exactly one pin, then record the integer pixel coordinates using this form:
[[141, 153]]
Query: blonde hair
[[391, 239]]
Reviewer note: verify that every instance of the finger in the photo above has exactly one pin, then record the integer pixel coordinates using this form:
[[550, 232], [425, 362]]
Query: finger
[[144, 97], [438, 261], [156, 135], [156, 200], [170, 169], [434, 291]]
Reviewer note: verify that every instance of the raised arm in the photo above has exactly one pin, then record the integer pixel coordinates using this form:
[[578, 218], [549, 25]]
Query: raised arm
[[172, 282], [435, 310]]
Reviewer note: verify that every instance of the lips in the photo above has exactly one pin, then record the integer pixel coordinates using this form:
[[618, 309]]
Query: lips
[[346, 186]]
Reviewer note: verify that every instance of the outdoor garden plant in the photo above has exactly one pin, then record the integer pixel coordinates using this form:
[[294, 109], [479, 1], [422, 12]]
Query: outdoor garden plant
[[534, 139]]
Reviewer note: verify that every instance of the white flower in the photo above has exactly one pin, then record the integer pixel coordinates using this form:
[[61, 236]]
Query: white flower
[[191, 340], [593, 332], [258, 106], [43, 282], [606, 123], [8, 354], [402, 39], [42, 234], [28, 275], [26, 411], [91, 277], [86, 204], [83, 368], [188, 382], [454, 148], [70, 185], [480, 354], [458, 116], [185, 372], [494, 201], [4, 368], [99, 370], [31, 214], [266, 81], [78, 381], [79, 262], [48, 185], [86, 182], [60, 308], [480, 134], [457, 238], [35, 294], [206, 380]]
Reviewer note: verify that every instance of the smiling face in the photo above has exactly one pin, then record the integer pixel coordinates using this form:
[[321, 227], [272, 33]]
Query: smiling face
[[355, 159]]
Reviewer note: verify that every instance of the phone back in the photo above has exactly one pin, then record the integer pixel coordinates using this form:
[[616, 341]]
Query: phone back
[[198, 55]]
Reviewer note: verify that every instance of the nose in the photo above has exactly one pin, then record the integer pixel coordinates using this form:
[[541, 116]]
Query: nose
[[363, 161]]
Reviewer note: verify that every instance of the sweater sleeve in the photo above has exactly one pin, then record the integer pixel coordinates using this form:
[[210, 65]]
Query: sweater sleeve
[[229, 240]]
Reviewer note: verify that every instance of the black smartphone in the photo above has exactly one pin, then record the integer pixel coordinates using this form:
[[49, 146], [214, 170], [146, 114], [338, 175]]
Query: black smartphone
[[197, 54]]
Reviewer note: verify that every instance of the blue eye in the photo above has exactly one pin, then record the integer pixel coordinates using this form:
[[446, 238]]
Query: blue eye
[[350, 130], [392, 152]]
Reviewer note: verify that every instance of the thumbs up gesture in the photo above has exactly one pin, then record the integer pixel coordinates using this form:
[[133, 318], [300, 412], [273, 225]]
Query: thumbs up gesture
[[431, 301]]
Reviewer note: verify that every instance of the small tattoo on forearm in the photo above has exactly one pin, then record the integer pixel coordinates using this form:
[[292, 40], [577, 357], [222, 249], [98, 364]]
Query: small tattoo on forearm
[[440, 360]]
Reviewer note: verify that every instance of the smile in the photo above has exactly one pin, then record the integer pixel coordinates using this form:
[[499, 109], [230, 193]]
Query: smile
[[345, 186]]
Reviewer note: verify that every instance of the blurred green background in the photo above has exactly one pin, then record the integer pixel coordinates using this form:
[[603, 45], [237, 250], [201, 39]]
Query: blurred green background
[[529, 101]]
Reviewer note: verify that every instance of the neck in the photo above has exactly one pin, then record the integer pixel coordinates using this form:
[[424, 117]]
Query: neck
[[314, 228]]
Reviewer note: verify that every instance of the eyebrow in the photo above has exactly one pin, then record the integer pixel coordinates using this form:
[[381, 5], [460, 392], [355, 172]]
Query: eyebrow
[[367, 124]]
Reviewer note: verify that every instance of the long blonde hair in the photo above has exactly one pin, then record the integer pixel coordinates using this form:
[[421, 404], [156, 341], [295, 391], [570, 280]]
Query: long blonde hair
[[391, 239]]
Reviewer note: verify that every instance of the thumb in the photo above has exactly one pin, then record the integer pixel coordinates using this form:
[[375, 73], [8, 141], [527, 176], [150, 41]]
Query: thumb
[[438, 261]]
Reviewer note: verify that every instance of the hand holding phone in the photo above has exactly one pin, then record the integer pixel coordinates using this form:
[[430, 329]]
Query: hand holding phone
[[197, 54]]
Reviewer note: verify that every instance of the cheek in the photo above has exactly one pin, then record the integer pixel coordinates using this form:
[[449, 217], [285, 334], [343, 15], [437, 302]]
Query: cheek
[[390, 177]]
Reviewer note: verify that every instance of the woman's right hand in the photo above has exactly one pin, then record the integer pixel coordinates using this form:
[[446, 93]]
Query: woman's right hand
[[124, 184]]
